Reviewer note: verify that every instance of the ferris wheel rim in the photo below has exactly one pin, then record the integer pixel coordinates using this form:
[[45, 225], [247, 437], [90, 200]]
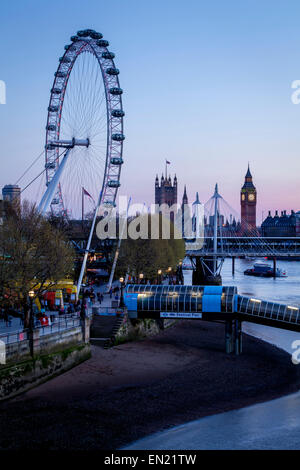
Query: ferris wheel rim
[[92, 43]]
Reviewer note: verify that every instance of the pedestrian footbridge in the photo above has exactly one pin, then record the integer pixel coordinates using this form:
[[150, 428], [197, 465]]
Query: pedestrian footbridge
[[210, 303]]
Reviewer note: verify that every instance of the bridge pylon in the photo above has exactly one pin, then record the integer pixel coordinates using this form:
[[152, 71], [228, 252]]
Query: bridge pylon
[[204, 273]]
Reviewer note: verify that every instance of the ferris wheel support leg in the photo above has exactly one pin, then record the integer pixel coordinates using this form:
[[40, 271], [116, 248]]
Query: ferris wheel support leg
[[50, 191], [88, 246]]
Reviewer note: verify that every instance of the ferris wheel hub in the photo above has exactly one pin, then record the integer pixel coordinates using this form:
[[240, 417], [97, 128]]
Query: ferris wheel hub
[[70, 143]]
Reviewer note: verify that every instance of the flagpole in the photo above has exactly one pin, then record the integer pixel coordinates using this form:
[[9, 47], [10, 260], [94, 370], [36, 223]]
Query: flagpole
[[166, 169], [82, 204]]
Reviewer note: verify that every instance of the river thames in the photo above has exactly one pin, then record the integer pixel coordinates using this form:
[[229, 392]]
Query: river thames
[[283, 290], [271, 425]]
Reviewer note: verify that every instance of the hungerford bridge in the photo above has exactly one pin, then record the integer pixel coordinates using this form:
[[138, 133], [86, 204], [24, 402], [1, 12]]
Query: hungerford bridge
[[288, 247]]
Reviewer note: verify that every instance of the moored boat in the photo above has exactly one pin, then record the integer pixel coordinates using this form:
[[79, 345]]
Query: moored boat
[[264, 270]]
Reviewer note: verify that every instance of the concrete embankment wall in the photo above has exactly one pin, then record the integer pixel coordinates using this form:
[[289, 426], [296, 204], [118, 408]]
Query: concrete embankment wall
[[53, 354], [133, 329]]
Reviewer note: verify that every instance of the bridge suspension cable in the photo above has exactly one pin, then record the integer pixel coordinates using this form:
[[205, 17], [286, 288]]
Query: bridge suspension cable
[[225, 235]]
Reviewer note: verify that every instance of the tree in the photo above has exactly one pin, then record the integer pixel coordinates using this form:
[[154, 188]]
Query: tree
[[33, 253], [149, 255]]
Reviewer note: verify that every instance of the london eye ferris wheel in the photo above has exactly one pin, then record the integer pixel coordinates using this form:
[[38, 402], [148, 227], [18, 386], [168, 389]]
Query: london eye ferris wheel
[[85, 114]]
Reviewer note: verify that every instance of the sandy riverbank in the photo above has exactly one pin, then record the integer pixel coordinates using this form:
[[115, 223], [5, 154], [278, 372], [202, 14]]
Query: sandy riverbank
[[136, 389]]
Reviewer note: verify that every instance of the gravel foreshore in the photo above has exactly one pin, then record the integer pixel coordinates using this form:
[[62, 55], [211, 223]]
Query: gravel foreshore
[[138, 388]]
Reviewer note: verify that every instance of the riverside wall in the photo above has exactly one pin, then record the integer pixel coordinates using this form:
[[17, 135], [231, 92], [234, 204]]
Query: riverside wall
[[54, 353]]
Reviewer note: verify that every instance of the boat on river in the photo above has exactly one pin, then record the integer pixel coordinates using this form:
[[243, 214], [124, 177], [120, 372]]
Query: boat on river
[[264, 270]]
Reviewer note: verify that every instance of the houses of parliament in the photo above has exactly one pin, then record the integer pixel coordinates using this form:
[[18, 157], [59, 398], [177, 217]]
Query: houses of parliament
[[283, 225], [166, 193]]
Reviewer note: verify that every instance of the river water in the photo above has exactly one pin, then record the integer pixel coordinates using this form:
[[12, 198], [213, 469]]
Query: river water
[[284, 290], [271, 425], [280, 289]]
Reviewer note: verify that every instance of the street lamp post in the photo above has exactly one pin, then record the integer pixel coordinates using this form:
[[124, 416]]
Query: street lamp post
[[31, 324], [121, 305], [159, 272], [169, 270], [141, 276]]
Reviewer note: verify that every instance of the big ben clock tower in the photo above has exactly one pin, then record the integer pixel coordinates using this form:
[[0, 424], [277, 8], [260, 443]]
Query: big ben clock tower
[[248, 204]]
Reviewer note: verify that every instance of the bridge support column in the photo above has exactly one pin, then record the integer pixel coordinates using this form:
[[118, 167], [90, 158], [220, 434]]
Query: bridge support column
[[202, 274], [238, 337], [228, 337], [274, 267]]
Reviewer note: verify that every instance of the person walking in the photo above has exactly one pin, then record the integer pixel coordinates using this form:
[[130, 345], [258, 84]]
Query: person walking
[[6, 317]]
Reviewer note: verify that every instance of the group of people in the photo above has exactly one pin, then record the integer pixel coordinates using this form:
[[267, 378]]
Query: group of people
[[45, 317], [90, 294], [7, 315]]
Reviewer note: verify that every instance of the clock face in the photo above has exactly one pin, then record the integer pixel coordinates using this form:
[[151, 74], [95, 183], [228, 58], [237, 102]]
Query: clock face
[[251, 197], [243, 197]]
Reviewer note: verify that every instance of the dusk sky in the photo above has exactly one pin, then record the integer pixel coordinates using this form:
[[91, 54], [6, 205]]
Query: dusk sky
[[207, 85]]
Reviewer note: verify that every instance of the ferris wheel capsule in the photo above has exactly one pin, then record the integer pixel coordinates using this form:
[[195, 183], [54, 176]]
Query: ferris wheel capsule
[[108, 55], [53, 109], [50, 165], [65, 60], [56, 91], [112, 71], [102, 43], [60, 74], [109, 204], [116, 161], [114, 184], [117, 113], [96, 35], [82, 33], [90, 31], [115, 91], [118, 137]]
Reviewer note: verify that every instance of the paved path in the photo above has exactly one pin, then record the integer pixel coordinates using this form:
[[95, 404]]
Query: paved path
[[16, 326]]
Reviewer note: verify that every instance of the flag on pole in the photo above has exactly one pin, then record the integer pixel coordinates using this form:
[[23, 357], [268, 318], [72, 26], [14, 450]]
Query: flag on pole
[[87, 194], [167, 163]]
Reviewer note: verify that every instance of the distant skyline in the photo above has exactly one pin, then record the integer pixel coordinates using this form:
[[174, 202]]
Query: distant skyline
[[206, 86]]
